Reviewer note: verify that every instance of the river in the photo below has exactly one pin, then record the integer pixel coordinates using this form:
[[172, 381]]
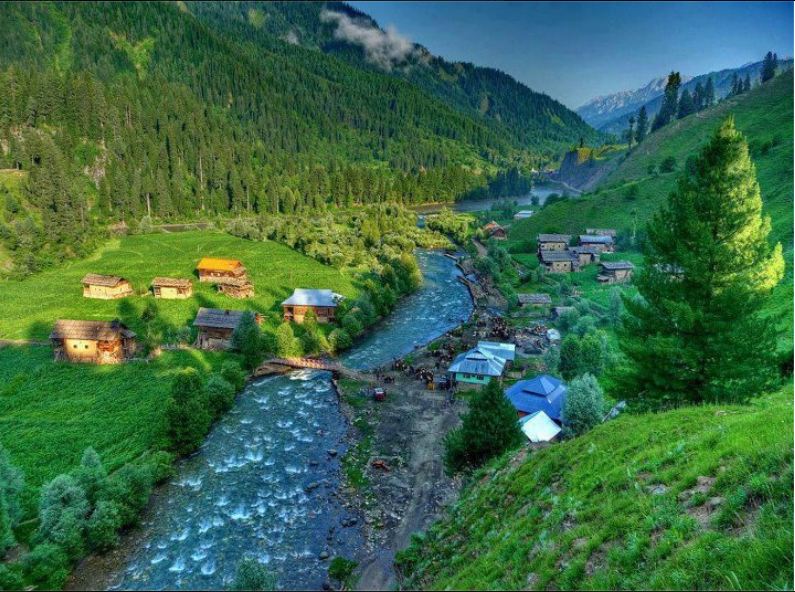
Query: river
[[540, 192], [264, 484]]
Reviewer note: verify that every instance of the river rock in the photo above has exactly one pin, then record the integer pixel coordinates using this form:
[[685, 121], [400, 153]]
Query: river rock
[[332, 453], [323, 555]]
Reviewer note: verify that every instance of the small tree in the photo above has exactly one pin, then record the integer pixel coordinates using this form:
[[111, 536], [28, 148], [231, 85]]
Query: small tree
[[287, 346], [129, 488], [341, 570], [252, 575], [92, 476], [552, 360], [12, 483], [489, 429], [62, 514], [340, 340], [46, 566], [570, 364], [584, 405], [233, 374], [187, 413], [615, 306], [220, 395], [103, 526], [247, 340]]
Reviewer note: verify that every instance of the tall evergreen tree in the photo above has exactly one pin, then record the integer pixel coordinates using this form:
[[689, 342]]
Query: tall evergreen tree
[[697, 334], [709, 93], [747, 83], [643, 125], [670, 102], [769, 66], [686, 105]]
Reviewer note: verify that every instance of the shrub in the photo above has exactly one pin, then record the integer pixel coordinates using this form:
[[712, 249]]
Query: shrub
[[11, 577], [220, 395], [340, 340], [247, 339], [12, 483], [252, 575], [585, 325], [6, 532], [91, 475], [130, 488], [103, 526], [341, 570], [287, 346], [552, 360], [63, 508], [570, 361], [632, 192], [489, 428], [668, 165], [584, 405], [46, 566], [187, 416], [233, 374]]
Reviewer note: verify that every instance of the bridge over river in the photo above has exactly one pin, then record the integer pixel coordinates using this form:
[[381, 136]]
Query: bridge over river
[[278, 365]]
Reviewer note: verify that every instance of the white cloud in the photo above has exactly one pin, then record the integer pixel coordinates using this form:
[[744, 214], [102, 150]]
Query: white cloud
[[383, 48]]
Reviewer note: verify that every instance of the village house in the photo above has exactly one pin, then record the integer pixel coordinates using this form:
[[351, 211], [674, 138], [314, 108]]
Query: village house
[[601, 242], [615, 272], [553, 242], [523, 214], [106, 287], [482, 363], [236, 287], [172, 288], [214, 270], [559, 261], [534, 300], [322, 302], [586, 255], [216, 327], [601, 231], [542, 393], [95, 342], [495, 231]]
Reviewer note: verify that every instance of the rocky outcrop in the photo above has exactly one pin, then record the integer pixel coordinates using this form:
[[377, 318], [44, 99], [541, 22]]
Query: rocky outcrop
[[580, 171]]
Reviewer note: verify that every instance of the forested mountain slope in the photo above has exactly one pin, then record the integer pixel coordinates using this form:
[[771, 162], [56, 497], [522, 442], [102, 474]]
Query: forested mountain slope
[[531, 119]]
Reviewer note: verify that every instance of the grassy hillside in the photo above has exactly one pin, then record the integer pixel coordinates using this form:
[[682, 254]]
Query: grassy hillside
[[698, 498]]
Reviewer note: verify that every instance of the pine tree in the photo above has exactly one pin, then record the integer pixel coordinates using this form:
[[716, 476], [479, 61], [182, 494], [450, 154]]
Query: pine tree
[[709, 93], [769, 66], [247, 339], [697, 334], [643, 125], [670, 102], [187, 414], [686, 105], [747, 83], [630, 132]]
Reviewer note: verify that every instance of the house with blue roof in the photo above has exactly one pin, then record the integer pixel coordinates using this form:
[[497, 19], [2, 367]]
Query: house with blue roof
[[542, 393]]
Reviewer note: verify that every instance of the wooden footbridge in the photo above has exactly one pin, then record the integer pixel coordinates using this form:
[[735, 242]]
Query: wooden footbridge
[[277, 365]]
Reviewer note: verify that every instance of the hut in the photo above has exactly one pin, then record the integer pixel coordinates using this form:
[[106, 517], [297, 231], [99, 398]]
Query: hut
[[604, 243], [95, 342], [105, 287], [559, 261], [553, 242], [542, 393], [495, 231], [478, 365], [534, 300], [213, 270], [322, 302], [216, 327], [172, 288], [586, 255], [615, 272], [236, 287]]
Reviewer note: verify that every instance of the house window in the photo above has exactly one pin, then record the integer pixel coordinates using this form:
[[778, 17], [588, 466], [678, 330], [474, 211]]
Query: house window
[[480, 377], [74, 346]]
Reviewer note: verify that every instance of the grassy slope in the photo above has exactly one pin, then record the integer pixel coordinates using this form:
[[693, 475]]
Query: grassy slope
[[50, 412], [582, 514]]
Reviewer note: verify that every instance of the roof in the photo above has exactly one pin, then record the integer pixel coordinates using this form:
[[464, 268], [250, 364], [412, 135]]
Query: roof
[[553, 334], [213, 264], [585, 249], [233, 281], [554, 238], [534, 299], [602, 231], [96, 279], [559, 310], [492, 226], [601, 239], [542, 393], [90, 330], [169, 282], [477, 361], [305, 297], [506, 351], [218, 318], [616, 265], [551, 256], [523, 214], [538, 427]]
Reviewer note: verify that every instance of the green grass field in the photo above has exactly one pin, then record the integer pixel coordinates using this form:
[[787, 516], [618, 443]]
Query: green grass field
[[50, 412], [618, 509]]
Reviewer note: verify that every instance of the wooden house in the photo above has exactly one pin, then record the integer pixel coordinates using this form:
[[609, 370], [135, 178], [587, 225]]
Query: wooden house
[[482, 363], [216, 327], [559, 261], [534, 300], [172, 288], [105, 287], [236, 287], [601, 231], [602, 242], [213, 270], [322, 302], [95, 342], [586, 255], [615, 272], [495, 231], [553, 242]]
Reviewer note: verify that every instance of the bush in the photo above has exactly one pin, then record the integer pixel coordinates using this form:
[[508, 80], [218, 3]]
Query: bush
[[341, 570], [130, 488], [62, 515], [12, 483], [584, 405], [287, 346], [103, 526], [632, 192], [233, 374], [46, 566], [247, 339], [11, 577], [252, 575], [340, 340], [489, 428], [668, 165], [552, 360], [91, 475], [585, 325], [187, 416], [160, 465], [220, 395]]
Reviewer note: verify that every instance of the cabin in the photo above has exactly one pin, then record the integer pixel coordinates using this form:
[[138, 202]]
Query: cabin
[[523, 214], [586, 255], [172, 288], [603, 243], [534, 300], [93, 342], [559, 311], [477, 366], [323, 302], [106, 287], [235, 287], [495, 231], [601, 231], [559, 261], [553, 242], [213, 270], [216, 326], [615, 272], [542, 393]]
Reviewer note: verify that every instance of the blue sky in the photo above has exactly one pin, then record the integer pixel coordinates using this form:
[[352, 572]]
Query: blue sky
[[574, 51]]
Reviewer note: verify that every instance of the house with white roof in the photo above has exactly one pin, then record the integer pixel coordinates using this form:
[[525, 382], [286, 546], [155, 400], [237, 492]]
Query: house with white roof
[[482, 363], [322, 302]]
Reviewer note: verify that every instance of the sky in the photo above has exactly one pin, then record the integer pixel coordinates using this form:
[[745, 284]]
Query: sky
[[575, 51]]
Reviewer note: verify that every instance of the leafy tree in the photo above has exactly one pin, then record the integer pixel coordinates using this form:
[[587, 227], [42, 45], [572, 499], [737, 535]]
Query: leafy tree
[[341, 570], [247, 340], [489, 428], [62, 514], [584, 405], [769, 66], [220, 395], [252, 575], [340, 340], [233, 374], [643, 125], [570, 364], [187, 415], [699, 335], [129, 488], [103, 526], [11, 577], [287, 345], [92, 476], [46, 566]]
